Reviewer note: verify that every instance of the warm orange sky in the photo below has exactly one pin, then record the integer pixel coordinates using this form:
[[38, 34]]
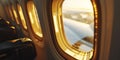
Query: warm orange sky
[[77, 5]]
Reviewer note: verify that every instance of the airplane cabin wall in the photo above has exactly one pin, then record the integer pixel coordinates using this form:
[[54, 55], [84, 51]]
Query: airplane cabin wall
[[115, 43], [2, 11]]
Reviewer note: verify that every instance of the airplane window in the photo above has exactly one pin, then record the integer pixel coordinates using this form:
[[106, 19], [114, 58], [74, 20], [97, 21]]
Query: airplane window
[[15, 14], [11, 15], [74, 27], [22, 16], [34, 20]]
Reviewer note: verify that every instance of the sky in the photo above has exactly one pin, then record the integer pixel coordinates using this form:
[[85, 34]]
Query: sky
[[77, 5]]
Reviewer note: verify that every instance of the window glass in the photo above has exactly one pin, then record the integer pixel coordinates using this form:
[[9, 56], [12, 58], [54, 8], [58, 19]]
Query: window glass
[[78, 20], [34, 20], [15, 14], [22, 16]]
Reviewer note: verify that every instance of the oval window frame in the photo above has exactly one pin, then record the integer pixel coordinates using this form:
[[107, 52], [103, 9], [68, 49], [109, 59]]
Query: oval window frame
[[22, 20], [57, 15], [15, 14], [34, 33]]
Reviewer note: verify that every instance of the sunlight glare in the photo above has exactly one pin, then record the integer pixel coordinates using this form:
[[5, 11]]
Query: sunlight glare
[[77, 5]]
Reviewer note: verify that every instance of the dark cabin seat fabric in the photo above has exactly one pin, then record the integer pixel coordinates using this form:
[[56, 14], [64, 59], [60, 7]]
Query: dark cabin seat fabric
[[6, 32]]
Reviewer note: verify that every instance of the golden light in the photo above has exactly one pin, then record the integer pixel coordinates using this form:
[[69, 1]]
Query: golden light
[[56, 23], [7, 22], [15, 15], [12, 27], [22, 16], [31, 17], [34, 19]]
